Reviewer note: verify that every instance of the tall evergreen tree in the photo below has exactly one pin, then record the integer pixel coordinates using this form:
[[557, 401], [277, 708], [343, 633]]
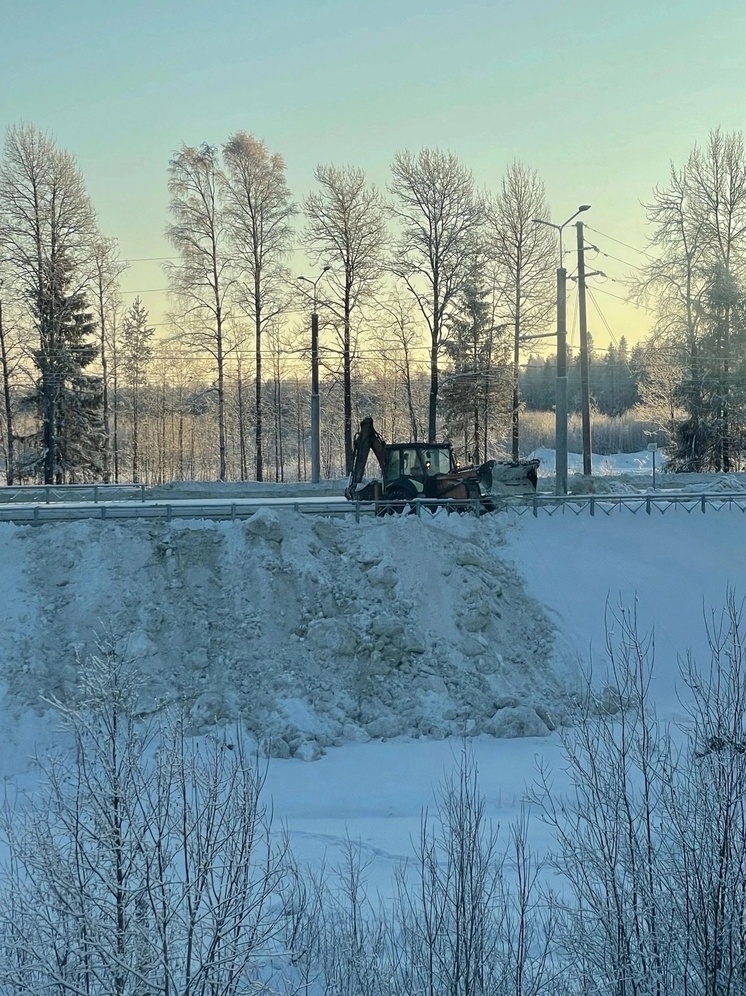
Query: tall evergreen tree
[[68, 445], [711, 438], [471, 389], [48, 233]]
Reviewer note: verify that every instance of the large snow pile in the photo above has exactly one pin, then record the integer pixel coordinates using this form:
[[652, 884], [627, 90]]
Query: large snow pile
[[312, 631]]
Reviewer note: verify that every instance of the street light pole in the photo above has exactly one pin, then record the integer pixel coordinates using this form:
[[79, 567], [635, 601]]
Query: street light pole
[[560, 408], [315, 406]]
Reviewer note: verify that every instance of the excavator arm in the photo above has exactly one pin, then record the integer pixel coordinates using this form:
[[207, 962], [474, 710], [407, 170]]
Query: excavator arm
[[366, 439]]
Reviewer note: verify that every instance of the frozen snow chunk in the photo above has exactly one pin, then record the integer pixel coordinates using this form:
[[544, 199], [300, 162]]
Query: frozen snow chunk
[[308, 750], [332, 636], [355, 733], [469, 558], [383, 727], [382, 576], [264, 524], [328, 533], [516, 721]]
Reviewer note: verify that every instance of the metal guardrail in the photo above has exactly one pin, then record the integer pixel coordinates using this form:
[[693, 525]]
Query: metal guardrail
[[218, 509], [647, 503], [48, 493]]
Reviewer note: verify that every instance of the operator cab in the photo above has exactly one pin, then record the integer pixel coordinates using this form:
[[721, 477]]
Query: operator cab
[[416, 462]]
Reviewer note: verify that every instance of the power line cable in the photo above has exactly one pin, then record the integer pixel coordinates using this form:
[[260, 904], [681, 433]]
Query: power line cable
[[642, 252]]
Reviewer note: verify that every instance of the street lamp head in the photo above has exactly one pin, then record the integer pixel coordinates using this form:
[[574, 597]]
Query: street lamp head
[[584, 207], [327, 267]]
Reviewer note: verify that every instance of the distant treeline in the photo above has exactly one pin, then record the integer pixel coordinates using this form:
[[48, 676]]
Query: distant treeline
[[615, 379]]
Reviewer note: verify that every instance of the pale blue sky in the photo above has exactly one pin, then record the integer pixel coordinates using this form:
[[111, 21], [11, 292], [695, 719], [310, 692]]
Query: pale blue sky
[[598, 97]]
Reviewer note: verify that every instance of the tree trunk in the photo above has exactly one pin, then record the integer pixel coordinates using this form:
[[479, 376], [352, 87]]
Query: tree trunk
[[241, 421], [433, 399], [10, 451], [725, 417], [134, 436], [221, 399], [516, 366], [347, 377], [258, 365], [49, 435], [104, 384], [280, 428], [115, 389], [277, 427]]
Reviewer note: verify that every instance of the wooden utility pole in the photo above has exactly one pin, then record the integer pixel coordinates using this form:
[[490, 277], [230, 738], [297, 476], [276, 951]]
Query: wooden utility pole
[[585, 394]]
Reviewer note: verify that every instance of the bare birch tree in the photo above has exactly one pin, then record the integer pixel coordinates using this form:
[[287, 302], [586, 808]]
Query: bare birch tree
[[346, 229], [440, 218], [201, 282], [108, 268], [401, 342], [259, 210], [523, 258]]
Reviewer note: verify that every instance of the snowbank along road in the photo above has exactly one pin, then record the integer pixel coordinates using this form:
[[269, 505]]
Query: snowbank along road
[[312, 631]]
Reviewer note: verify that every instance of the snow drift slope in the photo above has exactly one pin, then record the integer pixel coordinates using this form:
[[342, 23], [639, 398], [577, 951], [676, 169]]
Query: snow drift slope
[[312, 631]]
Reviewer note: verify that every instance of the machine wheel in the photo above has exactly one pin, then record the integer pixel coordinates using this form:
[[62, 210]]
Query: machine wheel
[[396, 500]]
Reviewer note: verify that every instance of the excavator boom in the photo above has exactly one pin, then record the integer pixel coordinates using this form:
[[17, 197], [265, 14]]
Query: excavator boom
[[366, 439]]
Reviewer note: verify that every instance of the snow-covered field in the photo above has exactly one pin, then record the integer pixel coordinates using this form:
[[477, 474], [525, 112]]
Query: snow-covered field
[[370, 649]]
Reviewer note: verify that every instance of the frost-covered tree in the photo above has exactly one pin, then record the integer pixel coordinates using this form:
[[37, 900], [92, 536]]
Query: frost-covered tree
[[202, 281], [652, 834], [259, 211], [47, 237], [105, 296], [143, 862], [346, 229], [695, 271], [523, 256], [135, 352], [440, 218]]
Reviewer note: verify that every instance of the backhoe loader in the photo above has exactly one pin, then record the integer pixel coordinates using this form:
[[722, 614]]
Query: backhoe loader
[[429, 471]]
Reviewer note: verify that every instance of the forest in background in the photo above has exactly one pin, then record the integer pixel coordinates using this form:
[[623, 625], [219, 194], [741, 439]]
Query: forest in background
[[432, 300]]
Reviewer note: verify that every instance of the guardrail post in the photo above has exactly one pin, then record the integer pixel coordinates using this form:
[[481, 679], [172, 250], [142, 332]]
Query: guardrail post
[[95, 494], [647, 504], [168, 513], [36, 515], [357, 511], [703, 503], [417, 508], [536, 507], [233, 512], [46, 492], [593, 505]]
